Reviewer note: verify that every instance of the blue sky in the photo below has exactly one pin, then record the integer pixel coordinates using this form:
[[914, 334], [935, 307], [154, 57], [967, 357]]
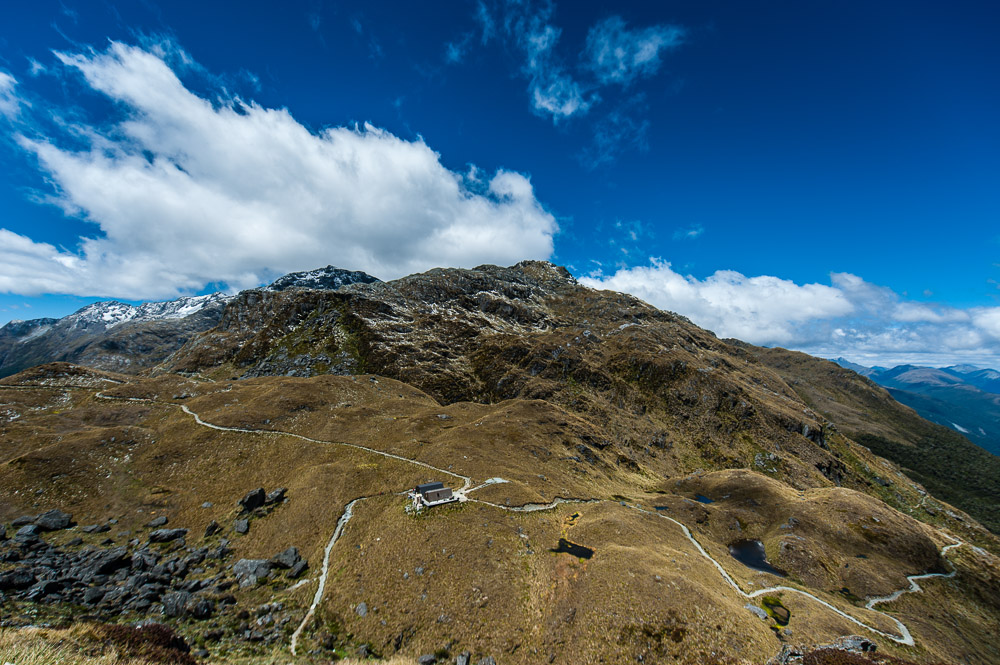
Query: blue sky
[[816, 175]]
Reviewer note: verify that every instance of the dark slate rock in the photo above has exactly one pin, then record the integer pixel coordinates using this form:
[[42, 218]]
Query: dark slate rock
[[23, 520], [19, 578], [241, 526], [212, 529], [167, 535], [54, 520], [95, 528], [286, 559], [253, 500], [3, 532], [157, 522], [201, 608], [110, 561], [276, 496], [93, 595], [27, 534], [74, 542], [174, 604], [296, 571], [427, 659]]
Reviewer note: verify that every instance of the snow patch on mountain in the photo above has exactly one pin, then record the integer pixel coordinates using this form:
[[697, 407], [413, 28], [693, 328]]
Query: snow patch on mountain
[[329, 278], [113, 313]]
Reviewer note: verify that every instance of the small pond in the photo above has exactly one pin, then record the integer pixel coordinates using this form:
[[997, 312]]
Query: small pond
[[702, 498], [574, 549], [751, 554]]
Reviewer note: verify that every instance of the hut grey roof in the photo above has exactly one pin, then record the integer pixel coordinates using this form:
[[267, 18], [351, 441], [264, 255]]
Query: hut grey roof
[[427, 487]]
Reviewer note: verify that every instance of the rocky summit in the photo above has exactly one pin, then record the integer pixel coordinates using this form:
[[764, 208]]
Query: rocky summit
[[626, 486]]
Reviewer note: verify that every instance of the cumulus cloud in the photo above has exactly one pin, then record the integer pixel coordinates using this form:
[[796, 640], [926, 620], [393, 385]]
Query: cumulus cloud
[[618, 55], [849, 317], [186, 191]]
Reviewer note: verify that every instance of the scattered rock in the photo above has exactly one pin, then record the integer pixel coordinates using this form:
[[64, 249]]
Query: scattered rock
[[758, 611], [427, 659], [241, 526], [207, 504], [463, 658], [251, 571], [253, 500], [297, 570], [361, 609], [488, 660], [27, 534], [157, 522], [95, 528], [54, 520], [286, 559], [212, 529], [19, 578], [174, 603], [167, 535], [276, 496], [23, 520]]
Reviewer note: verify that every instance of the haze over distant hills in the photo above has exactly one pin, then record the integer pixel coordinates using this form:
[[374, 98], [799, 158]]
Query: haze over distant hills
[[964, 398]]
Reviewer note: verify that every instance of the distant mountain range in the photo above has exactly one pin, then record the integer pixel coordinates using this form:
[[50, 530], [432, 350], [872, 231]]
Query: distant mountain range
[[964, 398], [119, 337]]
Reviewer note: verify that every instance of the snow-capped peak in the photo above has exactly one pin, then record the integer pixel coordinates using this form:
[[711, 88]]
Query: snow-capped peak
[[112, 313], [321, 278]]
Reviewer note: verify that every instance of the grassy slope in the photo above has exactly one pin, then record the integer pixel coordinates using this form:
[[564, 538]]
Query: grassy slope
[[946, 463]]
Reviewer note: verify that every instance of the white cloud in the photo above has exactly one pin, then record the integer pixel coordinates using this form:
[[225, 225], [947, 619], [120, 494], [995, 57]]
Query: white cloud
[[619, 55], [864, 322], [689, 233], [9, 102], [186, 191], [553, 91], [756, 309]]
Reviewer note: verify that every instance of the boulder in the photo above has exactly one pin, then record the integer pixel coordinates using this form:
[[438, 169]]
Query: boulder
[[241, 526], [157, 522], [296, 571], [27, 534], [361, 609], [54, 520], [175, 604], [23, 520], [427, 659], [212, 529], [107, 562], [275, 496], [253, 500], [463, 658], [167, 535], [19, 578], [95, 528], [286, 559], [3, 532], [249, 572]]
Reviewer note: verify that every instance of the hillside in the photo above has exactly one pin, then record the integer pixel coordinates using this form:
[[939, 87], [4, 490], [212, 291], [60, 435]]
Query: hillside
[[945, 462], [609, 458]]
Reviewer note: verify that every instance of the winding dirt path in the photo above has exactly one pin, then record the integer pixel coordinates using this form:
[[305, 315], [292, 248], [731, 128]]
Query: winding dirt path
[[905, 637], [324, 574]]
